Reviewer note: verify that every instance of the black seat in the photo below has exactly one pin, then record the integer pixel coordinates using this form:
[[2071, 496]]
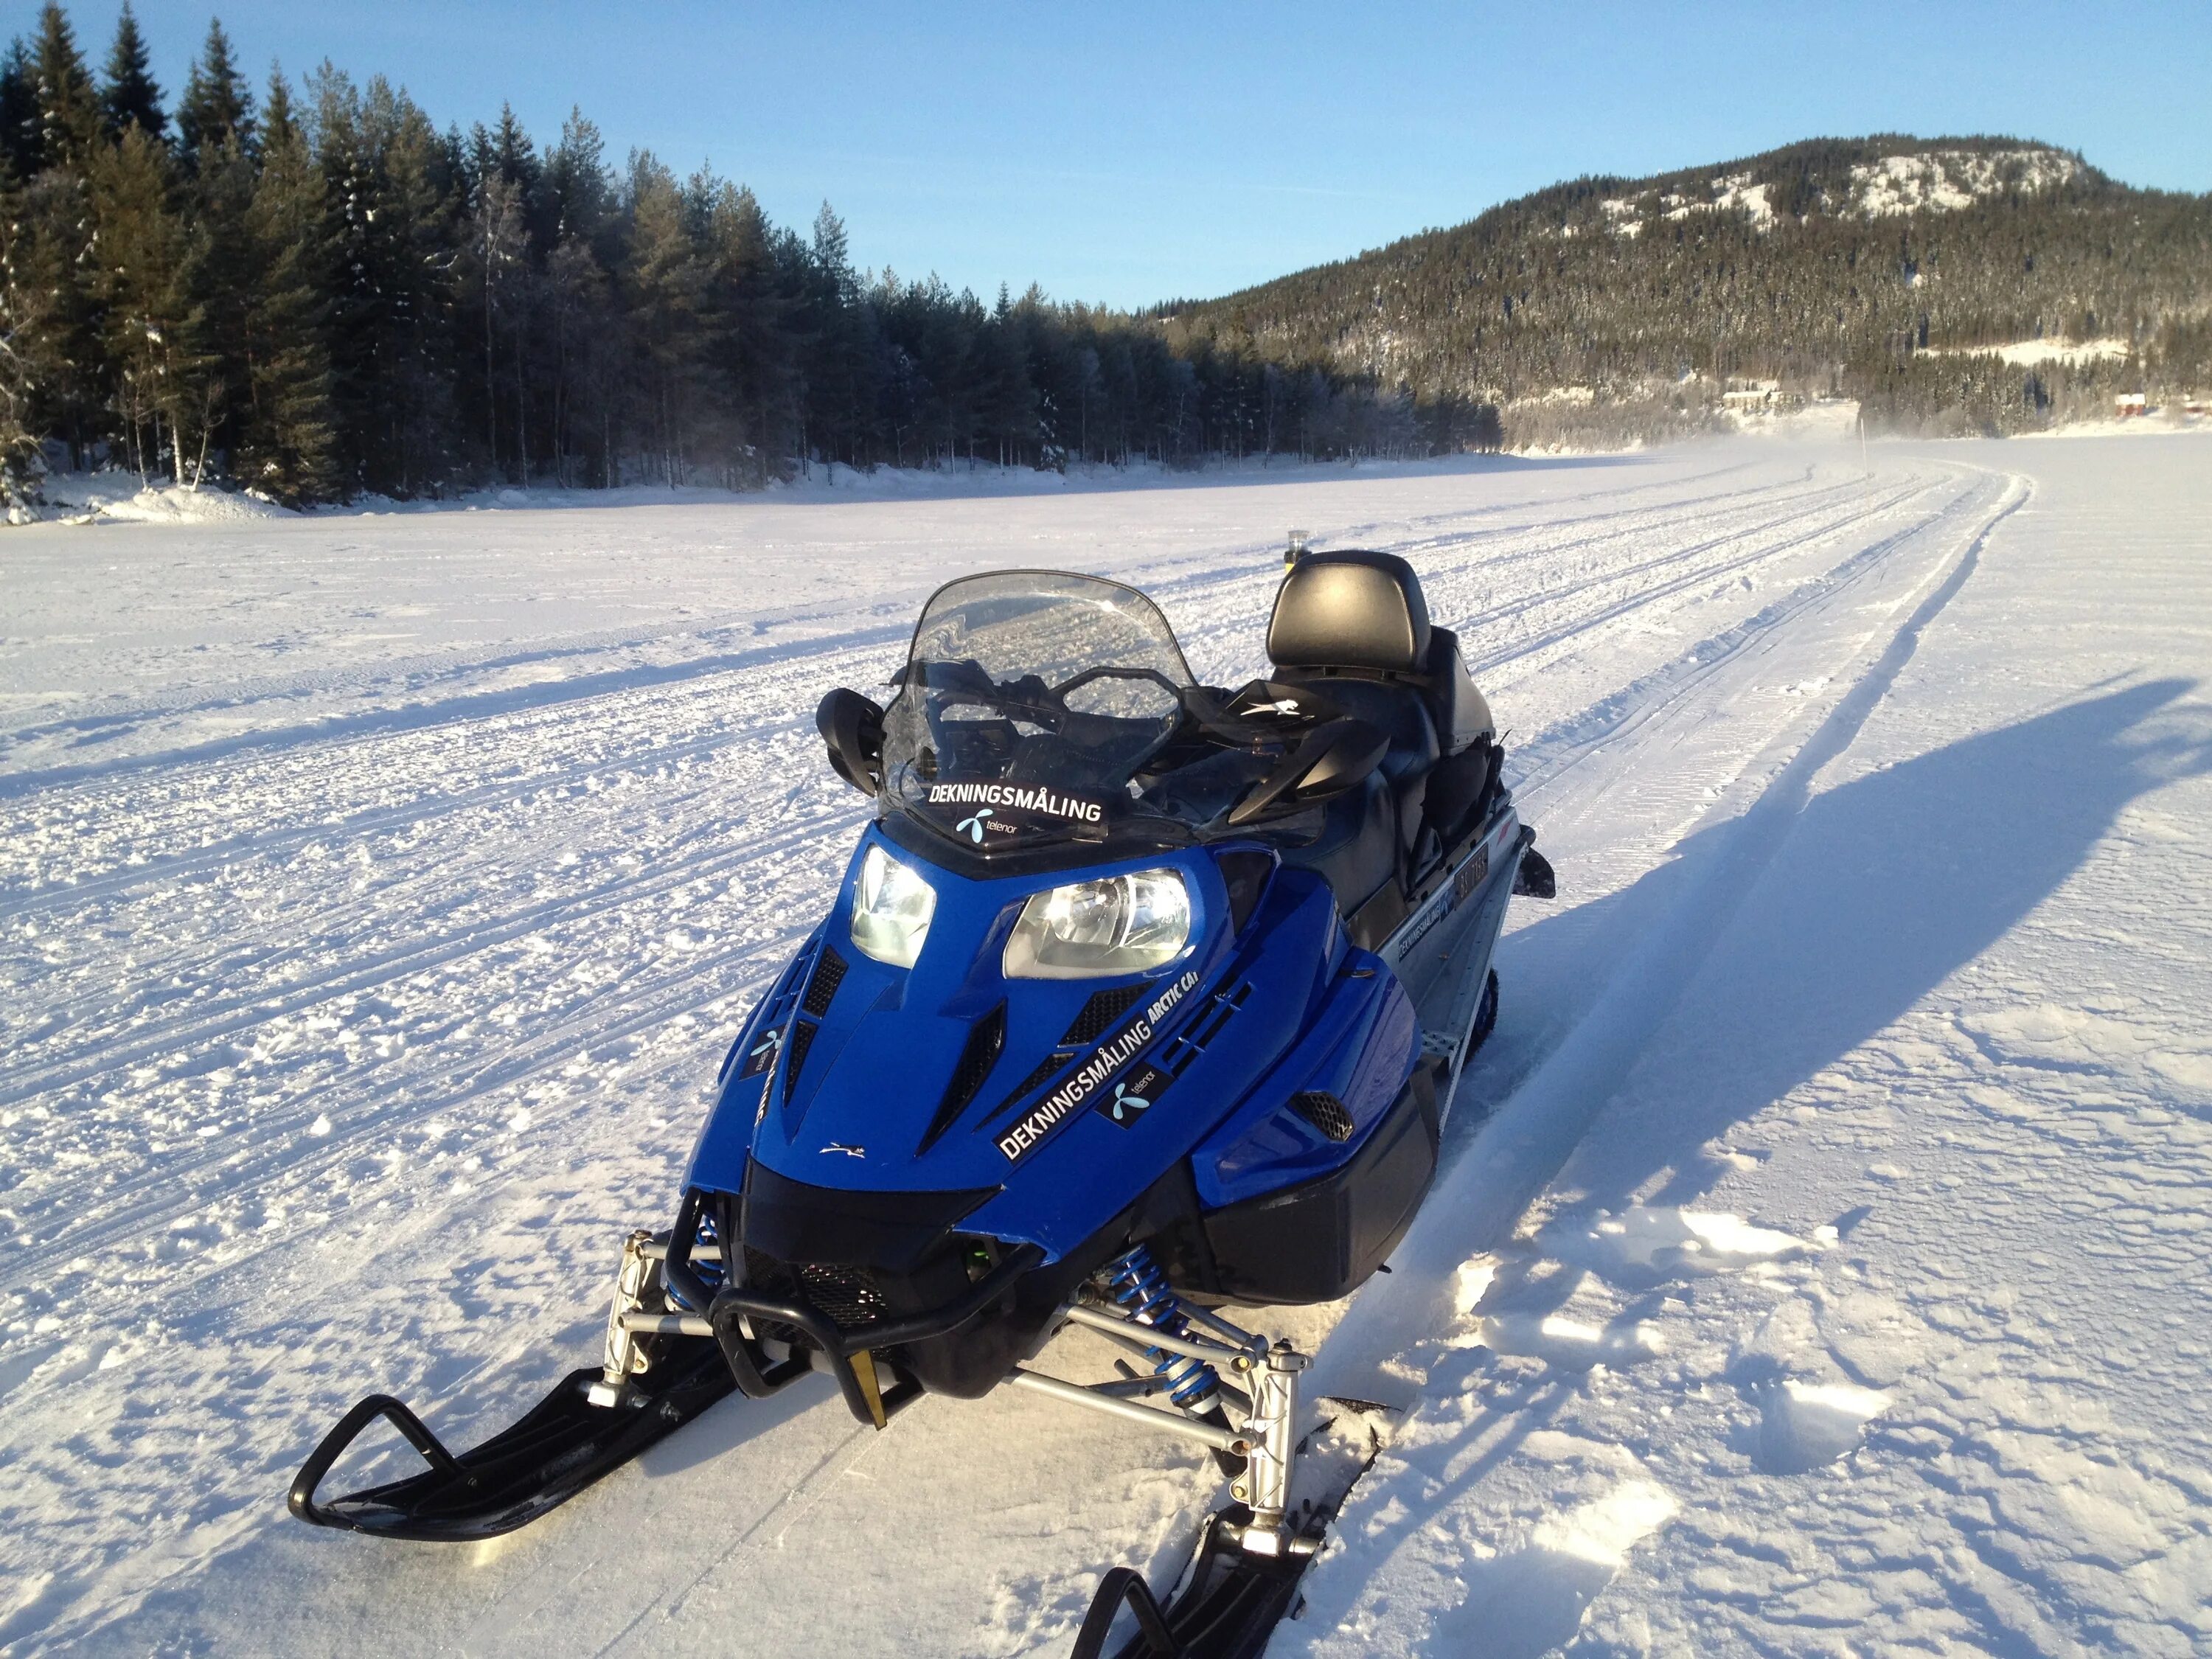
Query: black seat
[[1355, 626]]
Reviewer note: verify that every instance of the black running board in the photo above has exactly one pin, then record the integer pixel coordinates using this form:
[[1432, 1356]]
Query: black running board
[[1228, 1608], [562, 1446]]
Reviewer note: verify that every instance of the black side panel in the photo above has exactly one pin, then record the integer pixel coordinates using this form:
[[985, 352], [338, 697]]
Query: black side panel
[[1321, 1240], [1460, 791], [1245, 873], [1356, 852]]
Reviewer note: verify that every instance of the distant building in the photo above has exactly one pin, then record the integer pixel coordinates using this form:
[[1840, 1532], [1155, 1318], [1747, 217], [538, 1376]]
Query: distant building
[[1751, 399], [2129, 404]]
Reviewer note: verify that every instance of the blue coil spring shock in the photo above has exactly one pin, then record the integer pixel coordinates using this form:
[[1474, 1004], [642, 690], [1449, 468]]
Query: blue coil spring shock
[[1141, 1289]]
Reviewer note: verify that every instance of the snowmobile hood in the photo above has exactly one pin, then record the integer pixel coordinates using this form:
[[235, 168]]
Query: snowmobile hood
[[1070, 1096]]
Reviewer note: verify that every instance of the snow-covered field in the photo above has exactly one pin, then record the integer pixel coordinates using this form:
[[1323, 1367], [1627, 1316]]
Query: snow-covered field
[[1822, 1263]]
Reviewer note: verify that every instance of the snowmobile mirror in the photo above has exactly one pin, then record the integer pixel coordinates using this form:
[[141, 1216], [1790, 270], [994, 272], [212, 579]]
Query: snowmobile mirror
[[852, 727], [1336, 755]]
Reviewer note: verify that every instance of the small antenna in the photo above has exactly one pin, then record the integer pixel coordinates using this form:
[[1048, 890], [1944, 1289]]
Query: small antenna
[[1297, 547]]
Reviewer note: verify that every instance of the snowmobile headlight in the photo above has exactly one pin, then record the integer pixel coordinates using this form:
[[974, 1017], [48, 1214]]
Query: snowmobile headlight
[[892, 909], [1088, 929]]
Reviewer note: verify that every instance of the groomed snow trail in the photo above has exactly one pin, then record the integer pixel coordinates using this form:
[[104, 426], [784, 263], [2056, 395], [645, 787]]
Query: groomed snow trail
[[377, 896]]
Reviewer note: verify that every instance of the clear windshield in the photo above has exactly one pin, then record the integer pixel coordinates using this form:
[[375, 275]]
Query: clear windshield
[[1037, 707], [1034, 678]]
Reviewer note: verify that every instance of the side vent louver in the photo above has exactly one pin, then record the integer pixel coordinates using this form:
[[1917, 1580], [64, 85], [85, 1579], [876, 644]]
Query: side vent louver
[[829, 974], [1325, 1112], [1044, 1069], [768, 1039], [1099, 1014], [801, 1039], [984, 1040]]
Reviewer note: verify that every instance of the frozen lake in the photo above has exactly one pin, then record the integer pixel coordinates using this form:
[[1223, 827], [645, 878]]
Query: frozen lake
[[1821, 1259]]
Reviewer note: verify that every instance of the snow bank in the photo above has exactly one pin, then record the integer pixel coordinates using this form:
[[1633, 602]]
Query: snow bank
[[121, 498]]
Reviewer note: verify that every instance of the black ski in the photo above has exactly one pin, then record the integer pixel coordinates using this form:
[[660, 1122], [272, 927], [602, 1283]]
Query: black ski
[[1230, 1600], [562, 1446]]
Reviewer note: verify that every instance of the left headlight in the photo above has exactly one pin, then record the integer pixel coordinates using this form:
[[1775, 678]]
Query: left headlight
[[1089, 929], [892, 909]]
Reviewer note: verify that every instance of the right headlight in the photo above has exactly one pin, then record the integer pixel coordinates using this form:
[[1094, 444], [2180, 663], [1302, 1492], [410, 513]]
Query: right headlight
[[1089, 929], [892, 909]]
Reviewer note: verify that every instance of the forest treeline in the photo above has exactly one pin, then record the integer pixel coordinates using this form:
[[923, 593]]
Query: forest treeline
[[313, 292], [1648, 297]]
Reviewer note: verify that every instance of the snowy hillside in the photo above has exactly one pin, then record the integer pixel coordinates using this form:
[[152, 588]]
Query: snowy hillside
[[1888, 186], [1820, 1264]]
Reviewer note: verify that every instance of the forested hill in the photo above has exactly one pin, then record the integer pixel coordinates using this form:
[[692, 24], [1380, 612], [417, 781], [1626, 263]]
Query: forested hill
[[1876, 268]]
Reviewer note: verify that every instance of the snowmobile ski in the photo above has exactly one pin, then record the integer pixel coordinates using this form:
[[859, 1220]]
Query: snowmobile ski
[[562, 1446], [1230, 1598]]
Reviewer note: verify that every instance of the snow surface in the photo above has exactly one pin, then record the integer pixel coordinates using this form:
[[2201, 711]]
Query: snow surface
[[2026, 354], [1730, 192], [1934, 181], [1945, 180], [1821, 1264]]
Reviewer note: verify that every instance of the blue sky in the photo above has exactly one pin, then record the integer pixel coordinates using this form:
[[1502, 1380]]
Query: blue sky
[[1134, 152]]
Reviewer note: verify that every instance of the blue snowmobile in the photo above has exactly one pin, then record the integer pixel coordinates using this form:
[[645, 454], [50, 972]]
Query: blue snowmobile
[[1140, 999]]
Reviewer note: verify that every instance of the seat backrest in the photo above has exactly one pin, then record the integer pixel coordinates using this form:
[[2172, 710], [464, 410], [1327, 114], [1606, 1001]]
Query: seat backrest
[[1356, 623], [1353, 610]]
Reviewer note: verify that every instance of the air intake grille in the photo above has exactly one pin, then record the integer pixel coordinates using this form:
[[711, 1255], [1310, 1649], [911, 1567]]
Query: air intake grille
[[1325, 1112], [984, 1040], [829, 974], [1100, 1013], [848, 1295]]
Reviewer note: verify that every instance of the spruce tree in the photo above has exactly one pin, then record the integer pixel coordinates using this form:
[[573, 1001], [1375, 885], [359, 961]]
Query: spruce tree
[[69, 108], [581, 193], [216, 104], [289, 443], [25, 337], [129, 97], [53, 245], [19, 111], [216, 192]]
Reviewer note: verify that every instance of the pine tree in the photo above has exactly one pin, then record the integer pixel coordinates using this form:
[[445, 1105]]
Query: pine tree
[[288, 445], [153, 327], [666, 286], [759, 350], [129, 97], [581, 324], [217, 104]]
